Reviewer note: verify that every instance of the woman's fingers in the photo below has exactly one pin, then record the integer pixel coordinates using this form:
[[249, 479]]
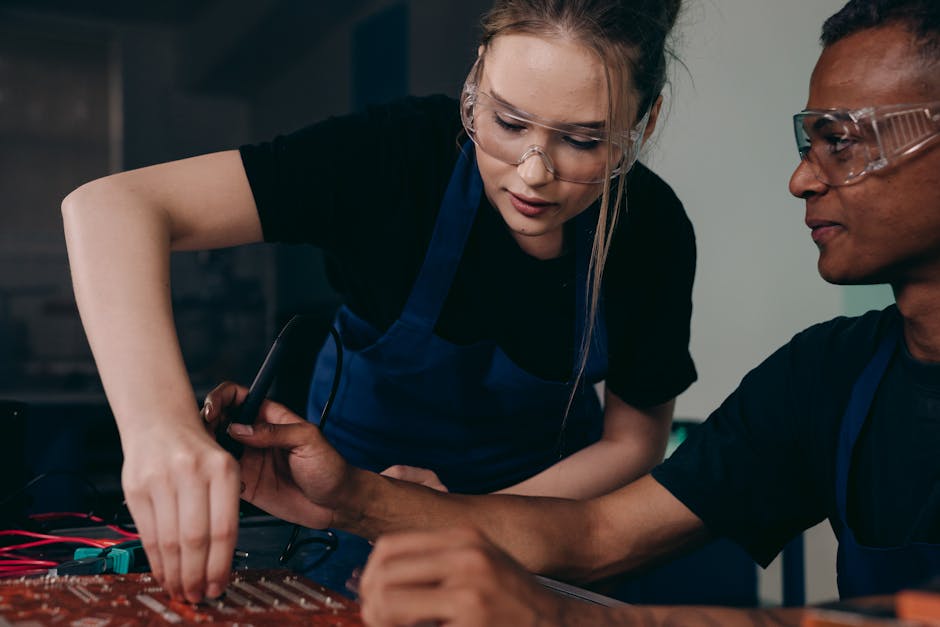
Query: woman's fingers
[[166, 514], [223, 529], [193, 526], [142, 511]]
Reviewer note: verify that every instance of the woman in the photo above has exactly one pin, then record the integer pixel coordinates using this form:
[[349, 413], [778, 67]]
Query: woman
[[488, 281]]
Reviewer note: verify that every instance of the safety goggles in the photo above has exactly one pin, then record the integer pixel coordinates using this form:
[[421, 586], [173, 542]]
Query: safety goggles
[[842, 146], [571, 152]]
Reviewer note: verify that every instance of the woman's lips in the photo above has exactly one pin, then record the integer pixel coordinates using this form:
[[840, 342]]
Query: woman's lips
[[529, 207]]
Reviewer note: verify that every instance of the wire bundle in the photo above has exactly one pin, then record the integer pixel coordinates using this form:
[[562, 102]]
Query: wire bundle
[[15, 563]]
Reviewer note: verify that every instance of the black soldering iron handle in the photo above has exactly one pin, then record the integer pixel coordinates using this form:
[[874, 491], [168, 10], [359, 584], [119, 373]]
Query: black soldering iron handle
[[247, 412]]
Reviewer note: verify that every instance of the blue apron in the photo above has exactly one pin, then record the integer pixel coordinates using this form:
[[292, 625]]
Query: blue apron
[[863, 570], [466, 412]]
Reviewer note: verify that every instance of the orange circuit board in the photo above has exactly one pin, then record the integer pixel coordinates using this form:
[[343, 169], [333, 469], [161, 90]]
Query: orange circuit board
[[253, 597]]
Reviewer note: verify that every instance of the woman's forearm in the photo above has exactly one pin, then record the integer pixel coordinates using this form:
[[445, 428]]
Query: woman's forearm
[[119, 231], [594, 470], [634, 442], [119, 249]]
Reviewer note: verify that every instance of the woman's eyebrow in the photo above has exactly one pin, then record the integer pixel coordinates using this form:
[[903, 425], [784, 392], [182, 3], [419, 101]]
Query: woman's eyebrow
[[594, 124]]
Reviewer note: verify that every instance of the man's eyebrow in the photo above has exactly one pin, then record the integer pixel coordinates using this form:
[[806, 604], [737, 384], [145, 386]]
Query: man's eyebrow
[[822, 122], [593, 124]]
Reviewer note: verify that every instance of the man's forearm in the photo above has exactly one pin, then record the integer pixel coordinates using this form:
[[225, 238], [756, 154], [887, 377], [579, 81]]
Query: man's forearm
[[580, 614], [546, 535], [576, 541]]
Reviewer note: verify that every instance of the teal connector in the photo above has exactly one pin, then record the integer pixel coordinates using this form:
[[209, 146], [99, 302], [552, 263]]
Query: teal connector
[[117, 559]]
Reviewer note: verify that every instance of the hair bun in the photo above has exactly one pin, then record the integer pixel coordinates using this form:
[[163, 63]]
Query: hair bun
[[671, 9]]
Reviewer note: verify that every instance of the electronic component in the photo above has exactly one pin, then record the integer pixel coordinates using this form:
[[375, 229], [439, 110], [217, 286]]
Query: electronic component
[[121, 558], [259, 598]]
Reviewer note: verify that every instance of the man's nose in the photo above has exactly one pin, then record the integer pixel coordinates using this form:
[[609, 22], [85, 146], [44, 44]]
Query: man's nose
[[804, 182]]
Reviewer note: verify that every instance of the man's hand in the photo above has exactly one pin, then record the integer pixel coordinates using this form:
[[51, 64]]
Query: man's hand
[[454, 577], [288, 469]]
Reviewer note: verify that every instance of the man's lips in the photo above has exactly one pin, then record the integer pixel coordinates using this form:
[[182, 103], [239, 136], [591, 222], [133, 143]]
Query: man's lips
[[823, 230], [529, 206]]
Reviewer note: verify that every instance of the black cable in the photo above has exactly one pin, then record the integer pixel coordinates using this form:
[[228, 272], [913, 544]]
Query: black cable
[[331, 541], [336, 375]]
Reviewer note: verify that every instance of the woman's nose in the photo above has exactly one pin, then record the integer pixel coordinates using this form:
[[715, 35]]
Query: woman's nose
[[535, 168]]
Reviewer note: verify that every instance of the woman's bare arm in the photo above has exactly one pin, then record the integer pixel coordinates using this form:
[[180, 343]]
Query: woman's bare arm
[[181, 488]]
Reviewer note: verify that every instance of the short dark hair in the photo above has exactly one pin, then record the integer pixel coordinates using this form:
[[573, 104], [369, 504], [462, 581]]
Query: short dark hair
[[920, 17]]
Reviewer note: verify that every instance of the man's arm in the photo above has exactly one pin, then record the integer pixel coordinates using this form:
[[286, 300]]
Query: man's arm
[[574, 540], [290, 468], [458, 577]]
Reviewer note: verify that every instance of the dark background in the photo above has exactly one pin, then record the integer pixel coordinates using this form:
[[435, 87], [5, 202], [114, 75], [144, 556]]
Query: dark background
[[94, 87]]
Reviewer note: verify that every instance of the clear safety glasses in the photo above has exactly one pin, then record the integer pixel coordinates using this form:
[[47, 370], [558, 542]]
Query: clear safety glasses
[[574, 153], [842, 146]]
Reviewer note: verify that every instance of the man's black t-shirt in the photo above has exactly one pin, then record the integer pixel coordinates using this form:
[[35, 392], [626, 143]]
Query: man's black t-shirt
[[366, 188], [762, 467]]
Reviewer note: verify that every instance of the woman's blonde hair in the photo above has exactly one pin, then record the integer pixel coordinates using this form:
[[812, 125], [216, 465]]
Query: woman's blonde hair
[[631, 38]]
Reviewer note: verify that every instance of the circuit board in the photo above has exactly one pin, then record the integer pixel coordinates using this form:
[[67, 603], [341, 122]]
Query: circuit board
[[256, 598]]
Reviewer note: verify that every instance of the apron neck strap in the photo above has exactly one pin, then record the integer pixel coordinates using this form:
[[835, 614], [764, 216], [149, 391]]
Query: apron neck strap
[[863, 394], [454, 222]]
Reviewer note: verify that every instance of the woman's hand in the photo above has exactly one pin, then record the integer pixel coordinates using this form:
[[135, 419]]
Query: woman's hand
[[453, 577], [421, 476], [182, 491], [287, 469]]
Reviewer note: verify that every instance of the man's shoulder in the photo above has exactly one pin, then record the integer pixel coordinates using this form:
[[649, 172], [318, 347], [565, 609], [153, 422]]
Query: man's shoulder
[[847, 335], [827, 357]]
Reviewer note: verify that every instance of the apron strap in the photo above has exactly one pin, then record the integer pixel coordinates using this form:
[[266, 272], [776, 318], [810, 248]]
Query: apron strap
[[454, 222], [863, 393]]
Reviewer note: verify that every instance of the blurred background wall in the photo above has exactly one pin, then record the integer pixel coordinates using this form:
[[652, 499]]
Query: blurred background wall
[[88, 88]]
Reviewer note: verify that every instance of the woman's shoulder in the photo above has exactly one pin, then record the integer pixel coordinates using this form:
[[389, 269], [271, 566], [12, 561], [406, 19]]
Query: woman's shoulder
[[649, 194], [653, 217], [414, 118], [436, 114]]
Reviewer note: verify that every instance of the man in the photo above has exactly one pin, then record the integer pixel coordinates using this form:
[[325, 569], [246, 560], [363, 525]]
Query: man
[[841, 423]]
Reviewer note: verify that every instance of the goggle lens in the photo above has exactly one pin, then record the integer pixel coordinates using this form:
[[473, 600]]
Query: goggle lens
[[841, 146], [838, 150], [570, 153]]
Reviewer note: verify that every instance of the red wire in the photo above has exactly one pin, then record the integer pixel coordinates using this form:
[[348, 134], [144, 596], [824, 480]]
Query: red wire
[[8, 564], [100, 543], [12, 564], [91, 517], [48, 515]]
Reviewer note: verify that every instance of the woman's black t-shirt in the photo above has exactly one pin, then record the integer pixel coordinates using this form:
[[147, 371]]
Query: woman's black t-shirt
[[366, 188]]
